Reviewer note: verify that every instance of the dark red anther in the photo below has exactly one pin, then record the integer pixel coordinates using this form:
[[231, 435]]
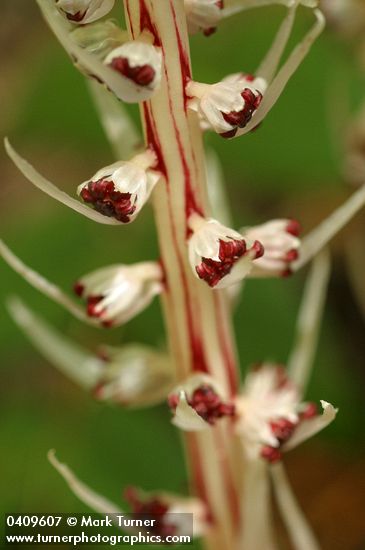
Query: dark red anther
[[258, 249], [286, 273], [209, 31], [271, 454], [76, 17], [212, 271], [149, 508], [282, 429], [291, 255], [229, 134], [243, 117], [106, 200], [143, 75], [293, 228], [173, 401], [309, 412], [207, 403], [78, 288], [92, 302]]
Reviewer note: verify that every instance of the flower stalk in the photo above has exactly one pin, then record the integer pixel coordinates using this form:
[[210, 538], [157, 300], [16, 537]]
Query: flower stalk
[[196, 318]]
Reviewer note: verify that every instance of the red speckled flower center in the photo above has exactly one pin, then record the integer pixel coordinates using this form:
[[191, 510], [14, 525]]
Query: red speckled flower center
[[102, 195], [212, 271], [240, 119], [206, 403], [149, 509], [142, 75], [91, 304]]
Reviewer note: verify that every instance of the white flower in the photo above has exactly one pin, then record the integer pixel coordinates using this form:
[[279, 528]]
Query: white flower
[[84, 11], [237, 104], [280, 241], [121, 189], [117, 293], [270, 418], [87, 60], [174, 511], [139, 62], [203, 15], [176, 514], [134, 375], [227, 105], [198, 404], [218, 255]]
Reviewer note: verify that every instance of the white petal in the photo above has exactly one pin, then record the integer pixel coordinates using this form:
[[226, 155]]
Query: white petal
[[44, 185], [308, 428], [186, 418], [122, 87], [300, 532], [89, 497], [321, 235], [79, 365], [40, 283], [308, 323]]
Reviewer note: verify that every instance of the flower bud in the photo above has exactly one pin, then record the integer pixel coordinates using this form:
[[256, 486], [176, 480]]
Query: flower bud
[[117, 293], [229, 104], [198, 404], [280, 241], [203, 15], [99, 38], [84, 11], [134, 375], [121, 189], [139, 62], [218, 255]]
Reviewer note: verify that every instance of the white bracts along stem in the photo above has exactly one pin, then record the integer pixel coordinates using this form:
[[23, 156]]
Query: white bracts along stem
[[196, 318]]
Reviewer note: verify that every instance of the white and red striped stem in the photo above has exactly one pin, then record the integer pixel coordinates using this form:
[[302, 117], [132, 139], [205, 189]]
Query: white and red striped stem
[[197, 318]]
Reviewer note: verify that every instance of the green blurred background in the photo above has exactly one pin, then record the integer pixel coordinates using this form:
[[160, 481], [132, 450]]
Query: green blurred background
[[290, 167]]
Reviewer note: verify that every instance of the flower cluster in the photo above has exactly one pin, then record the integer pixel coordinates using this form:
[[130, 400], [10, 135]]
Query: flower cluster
[[200, 255]]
